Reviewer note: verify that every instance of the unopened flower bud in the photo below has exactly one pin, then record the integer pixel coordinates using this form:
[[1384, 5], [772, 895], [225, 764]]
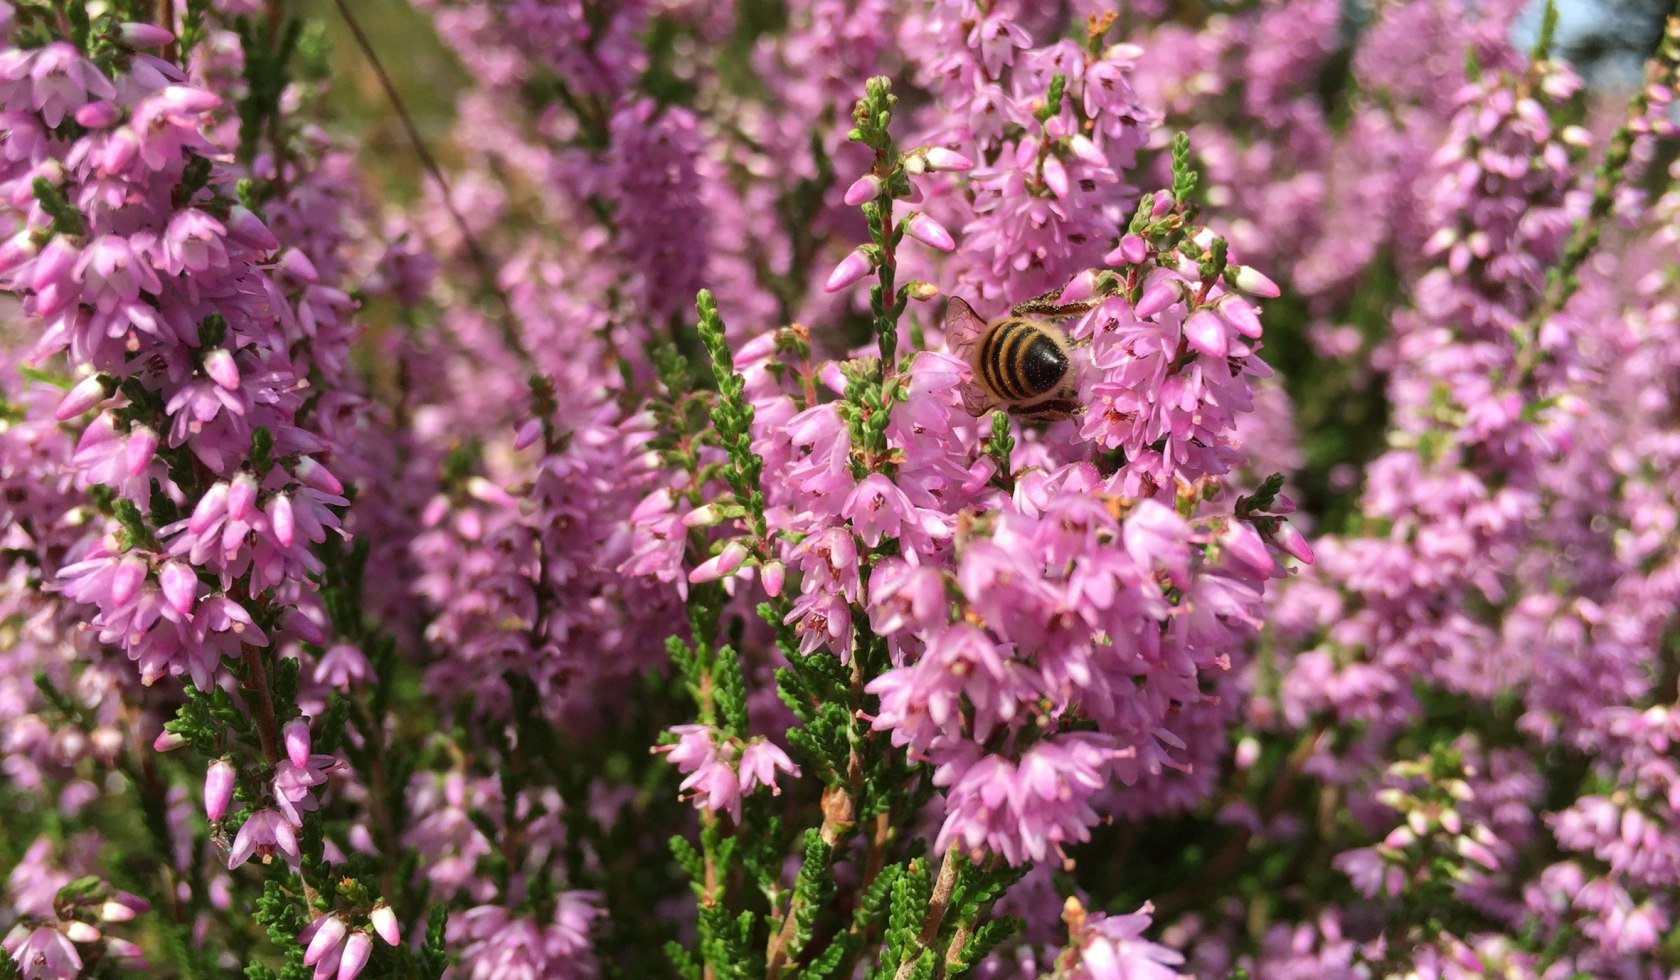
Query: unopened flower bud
[[853, 267], [1157, 297], [1292, 543], [82, 932], [138, 35], [1055, 176], [218, 789], [929, 232], [296, 737], [865, 188], [385, 924], [922, 291], [219, 365], [940, 158], [88, 392], [1206, 333], [167, 741], [775, 573], [721, 565], [1250, 279], [281, 521], [704, 516], [142, 446], [327, 937], [357, 949]]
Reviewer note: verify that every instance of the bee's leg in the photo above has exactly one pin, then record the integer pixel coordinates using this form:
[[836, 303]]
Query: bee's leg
[[1054, 410], [1046, 307]]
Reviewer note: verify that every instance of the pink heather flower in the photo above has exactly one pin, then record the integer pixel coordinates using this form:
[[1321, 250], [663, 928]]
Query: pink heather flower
[[760, 761], [43, 953], [263, 834], [1370, 873], [852, 268], [293, 785], [927, 231], [62, 80], [113, 274], [341, 666], [1112, 947], [218, 789]]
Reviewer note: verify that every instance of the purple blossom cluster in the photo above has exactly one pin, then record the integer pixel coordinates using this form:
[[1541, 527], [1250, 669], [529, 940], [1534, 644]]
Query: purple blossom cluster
[[400, 582]]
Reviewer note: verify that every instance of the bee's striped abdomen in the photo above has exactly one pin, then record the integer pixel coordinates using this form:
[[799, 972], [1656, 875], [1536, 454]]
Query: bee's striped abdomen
[[1019, 361]]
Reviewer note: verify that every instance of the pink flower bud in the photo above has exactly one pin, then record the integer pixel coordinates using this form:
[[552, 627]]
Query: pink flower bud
[[357, 949], [218, 364], [180, 586], [528, 434], [82, 932], [385, 924], [1252, 281], [853, 267], [122, 907], [313, 474], [281, 521], [125, 584], [97, 115], [775, 573], [1086, 151], [1243, 544], [1131, 251], [209, 509], [248, 229], [327, 936], [167, 741], [1080, 288], [1157, 297], [1292, 543], [298, 264], [137, 35], [142, 446], [242, 498], [218, 789], [705, 516], [940, 158], [865, 188], [721, 565], [1206, 333], [88, 392], [1055, 177], [296, 736], [930, 232]]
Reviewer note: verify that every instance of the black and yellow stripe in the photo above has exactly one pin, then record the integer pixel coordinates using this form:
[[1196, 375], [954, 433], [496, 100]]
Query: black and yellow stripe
[[1007, 365]]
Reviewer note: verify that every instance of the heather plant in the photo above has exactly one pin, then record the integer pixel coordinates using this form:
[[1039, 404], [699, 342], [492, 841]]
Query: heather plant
[[607, 539]]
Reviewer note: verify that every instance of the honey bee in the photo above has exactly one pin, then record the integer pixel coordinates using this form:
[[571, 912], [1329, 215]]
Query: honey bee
[[1021, 361]]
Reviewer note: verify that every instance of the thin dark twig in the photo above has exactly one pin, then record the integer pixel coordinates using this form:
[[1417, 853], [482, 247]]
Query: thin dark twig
[[480, 260]]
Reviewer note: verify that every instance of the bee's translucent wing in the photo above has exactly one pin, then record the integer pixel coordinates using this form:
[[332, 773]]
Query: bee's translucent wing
[[962, 327], [976, 401]]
